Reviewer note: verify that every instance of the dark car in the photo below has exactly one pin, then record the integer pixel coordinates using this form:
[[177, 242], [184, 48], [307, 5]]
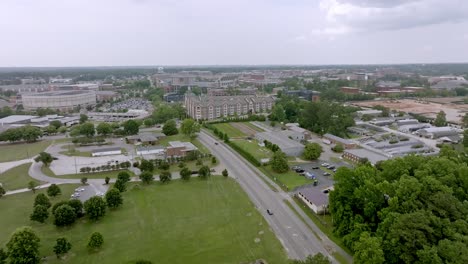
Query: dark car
[[331, 167], [269, 212], [216, 143], [315, 168], [194, 172], [300, 170]]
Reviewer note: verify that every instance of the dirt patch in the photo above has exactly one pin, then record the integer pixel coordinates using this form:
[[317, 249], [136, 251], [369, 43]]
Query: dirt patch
[[244, 129]]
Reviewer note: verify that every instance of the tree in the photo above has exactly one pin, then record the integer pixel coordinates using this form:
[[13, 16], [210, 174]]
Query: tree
[[124, 176], [146, 177], [107, 180], [2, 191], [204, 172], [53, 190], [84, 180], [131, 127], [278, 114], [163, 165], [465, 138], [95, 207], [62, 246], [30, 133], [121, 185], [225, 173], [185, 173], [64, 215], [83, 118], [279, 162], [95, 241], [440, 120], [104, 129], [165, 177], [87, 130], [190, 127], [170, 128], [213, 160], [146, 165], [114, 198], [56, 205], [45, 158], [338, 148], [23, 247], [41, 199], [77, 206], [3, 256], [368, 250], [316, 259], [312, 151], [32, 186], [56, 123], [51, 130], [39, 214], [465, 120]]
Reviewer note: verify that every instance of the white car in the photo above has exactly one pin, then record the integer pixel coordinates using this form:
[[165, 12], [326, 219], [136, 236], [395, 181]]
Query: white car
[[325, 164], [82, 190]]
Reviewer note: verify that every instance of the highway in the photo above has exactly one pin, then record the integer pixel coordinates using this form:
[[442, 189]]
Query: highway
[[298, 240]]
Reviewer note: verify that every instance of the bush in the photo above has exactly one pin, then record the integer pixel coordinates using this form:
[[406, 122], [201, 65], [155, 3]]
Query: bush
[[247, 155], [393, 141], [95, 242]]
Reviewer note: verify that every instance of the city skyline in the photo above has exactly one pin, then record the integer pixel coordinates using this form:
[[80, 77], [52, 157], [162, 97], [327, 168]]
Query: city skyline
[[51, 33]]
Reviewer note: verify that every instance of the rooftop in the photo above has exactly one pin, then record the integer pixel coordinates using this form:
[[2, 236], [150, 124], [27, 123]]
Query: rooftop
[[106, 149], [373, 157], [314, 196], [338, 139], [179, 144], [61, 93], [16, 118], [280, 139]]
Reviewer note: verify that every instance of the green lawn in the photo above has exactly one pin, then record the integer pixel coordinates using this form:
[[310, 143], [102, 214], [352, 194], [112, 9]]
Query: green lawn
[[253, 148], [17, 178], [19, 151], [230, 130], [182, 222], [254, 127], [97, 175], [289, 179]]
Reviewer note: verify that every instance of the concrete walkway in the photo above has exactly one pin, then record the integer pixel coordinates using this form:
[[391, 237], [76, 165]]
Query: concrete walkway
[[4, 166]]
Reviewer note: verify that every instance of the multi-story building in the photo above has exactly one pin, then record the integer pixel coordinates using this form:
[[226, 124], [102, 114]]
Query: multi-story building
[[212, 107], [60, 100]]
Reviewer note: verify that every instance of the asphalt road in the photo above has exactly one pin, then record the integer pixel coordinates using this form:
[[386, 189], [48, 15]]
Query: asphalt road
[[296, 237]]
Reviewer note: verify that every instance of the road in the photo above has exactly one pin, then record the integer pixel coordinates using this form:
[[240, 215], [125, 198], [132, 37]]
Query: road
[[298, 240]]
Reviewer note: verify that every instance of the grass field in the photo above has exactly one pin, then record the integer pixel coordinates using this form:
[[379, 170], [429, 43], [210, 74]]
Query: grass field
[[254, 127], [230, 130], [97, 175], [182, 222], [17, 178], [19, 151], [290, 179], [253, 148]]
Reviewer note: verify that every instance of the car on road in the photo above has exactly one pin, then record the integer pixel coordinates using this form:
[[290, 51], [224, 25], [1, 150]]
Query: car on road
[[325, 164], [216, 143], [315, 167], [331, 167], [269, 212], [326, 174], [300, 170]]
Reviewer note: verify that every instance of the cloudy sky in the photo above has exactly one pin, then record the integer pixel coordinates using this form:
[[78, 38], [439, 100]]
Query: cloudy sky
[[220, 32]]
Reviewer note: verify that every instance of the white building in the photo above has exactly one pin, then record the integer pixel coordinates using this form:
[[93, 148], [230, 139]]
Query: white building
[[106, 152], [61, 100]]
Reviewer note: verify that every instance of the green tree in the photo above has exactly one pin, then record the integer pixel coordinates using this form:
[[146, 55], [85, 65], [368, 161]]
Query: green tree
[[45, 158], [146, 165], [30, 133], [55, 123], [278, 114], [146, 177], [163, 113], [190, 127], [2, 191], [83, 118], [124, 176], [3, 256], [114, 198], [185, 173], [107, 180], [95, 241], [338, 148], [163, 165], [225, 173], [165, 177], [131, 127], [41, 199], [64, 215], [368, 250], [104, 129], [51, 130], [23, 247], [32, 186], [279, 162], [204, 172], [318, 258], [440, 120], [148, 122], [170, 128], [53, 190], [95, 207], [77, 206], [62, 246], [213, 160], [121, 185], [465, 138], [39, 214], [87, 130], [84, 180], [312, 151]]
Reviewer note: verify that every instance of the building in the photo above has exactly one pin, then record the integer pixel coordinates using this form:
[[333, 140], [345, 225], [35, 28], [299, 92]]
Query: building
[[105, 96], [308, 95], [306, 135], [438, 132], [151, 150], [360, 155], [370, 112], [106, 152], [347, 144], [316, 200], [212, 107], [287, 145], [179, 149], [16, 119], [26, 88], [173, 97], [227, 92], [145, 138], [60, 100], [350, 90]]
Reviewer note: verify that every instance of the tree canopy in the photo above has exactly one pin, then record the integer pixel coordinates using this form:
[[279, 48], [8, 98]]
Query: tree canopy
[[23, 247], [190, 127], [170, 128], [279, 162], [312, 151], [440, 120]]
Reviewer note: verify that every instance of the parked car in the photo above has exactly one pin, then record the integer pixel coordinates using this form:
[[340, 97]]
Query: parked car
[[325, 164], [331, 167], [269, 212], [326, 191], [326, 174], [315, 167], [315, 182], [294, 168], [300, 170], [310, 175], [334, 170]]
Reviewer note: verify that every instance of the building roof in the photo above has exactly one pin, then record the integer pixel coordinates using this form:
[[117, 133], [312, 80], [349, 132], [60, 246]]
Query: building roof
[[222, 100], [16, 118], [179, 144], [370, 112], [280, 139], [99, 150], [372, 156], [439, 129], [143, 148], [338, 139], [450, 84], [314, 196]]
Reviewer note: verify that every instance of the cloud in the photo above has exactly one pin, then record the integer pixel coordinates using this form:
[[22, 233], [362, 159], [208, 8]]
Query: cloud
[[344, 16]]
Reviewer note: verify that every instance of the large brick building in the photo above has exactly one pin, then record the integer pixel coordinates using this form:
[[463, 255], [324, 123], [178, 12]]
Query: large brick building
[[212, 107]]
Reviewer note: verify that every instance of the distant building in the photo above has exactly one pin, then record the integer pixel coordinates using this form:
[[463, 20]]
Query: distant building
[[105, 96], [179, 149], [174, 97], [106, 152], [294, 127], [371, 112], [350, 90], [437, 132], [60, 100], [287, 145], [212, 107], [308, 95], [145, 138], [150, 150], [347, 144], [316, 200], [231, 92], [360, 155]]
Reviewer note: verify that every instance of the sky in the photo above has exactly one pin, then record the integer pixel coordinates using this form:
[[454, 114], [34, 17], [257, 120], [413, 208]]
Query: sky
[[231, 32]]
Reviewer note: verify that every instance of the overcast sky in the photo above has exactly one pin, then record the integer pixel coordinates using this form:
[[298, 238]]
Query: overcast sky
[[220, 32]]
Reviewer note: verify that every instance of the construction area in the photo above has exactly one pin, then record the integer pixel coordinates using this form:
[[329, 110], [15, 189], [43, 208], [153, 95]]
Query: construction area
[[428, 107]]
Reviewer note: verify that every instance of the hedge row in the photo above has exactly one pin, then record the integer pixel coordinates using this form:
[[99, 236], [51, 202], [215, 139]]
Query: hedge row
[[247, 155]]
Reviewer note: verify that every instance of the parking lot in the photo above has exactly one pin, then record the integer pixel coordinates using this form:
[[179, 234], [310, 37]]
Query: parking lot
[[85, 192], [323, 175]]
